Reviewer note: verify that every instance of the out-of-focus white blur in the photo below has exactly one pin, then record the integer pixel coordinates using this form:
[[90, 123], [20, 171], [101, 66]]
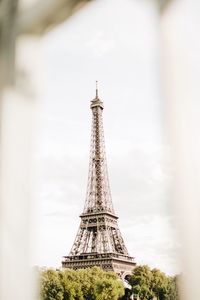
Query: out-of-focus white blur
[[17, 144], [180, 26], [17, 124]]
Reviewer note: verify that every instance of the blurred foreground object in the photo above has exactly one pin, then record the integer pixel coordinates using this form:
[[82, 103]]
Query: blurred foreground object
[[8, 15], [164, 3], [44, 15], [18, 17], [18, 59], [181, 69]]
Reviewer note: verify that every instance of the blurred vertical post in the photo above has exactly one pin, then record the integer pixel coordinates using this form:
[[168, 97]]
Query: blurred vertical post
[[17, 113], [8, 15], [180, 26], [15, 139], [15, 271]]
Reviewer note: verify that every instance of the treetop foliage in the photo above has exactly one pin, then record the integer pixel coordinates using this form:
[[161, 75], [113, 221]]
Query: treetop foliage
[[148, 284], [83, 284], [96, 284]]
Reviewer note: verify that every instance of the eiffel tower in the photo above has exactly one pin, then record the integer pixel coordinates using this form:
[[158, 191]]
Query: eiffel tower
[[99, 241]]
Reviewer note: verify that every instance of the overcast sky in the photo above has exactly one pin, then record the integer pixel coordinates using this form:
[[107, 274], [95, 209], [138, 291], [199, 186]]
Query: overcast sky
[[117, 43]]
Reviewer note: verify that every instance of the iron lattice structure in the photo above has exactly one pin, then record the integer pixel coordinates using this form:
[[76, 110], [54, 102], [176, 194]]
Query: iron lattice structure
[[99, 241]]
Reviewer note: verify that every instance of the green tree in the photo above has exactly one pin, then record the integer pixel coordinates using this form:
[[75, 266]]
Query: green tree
[[160, 284], [69, 280], [83, 284], [108, 289], [101, 285], [141, 282], [147, 284], [173, 290], [51, 287]]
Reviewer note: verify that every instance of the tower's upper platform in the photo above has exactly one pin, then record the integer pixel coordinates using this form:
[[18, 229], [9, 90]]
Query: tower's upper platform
[[96, 102]]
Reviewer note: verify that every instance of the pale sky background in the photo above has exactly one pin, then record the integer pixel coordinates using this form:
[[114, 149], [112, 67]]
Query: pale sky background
[[117, 43]]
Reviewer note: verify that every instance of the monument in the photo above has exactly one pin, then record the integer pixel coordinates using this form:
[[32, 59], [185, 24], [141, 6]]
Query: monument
[[99, 241]]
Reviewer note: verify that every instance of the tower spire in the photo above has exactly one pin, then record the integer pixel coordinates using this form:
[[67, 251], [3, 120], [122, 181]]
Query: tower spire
[[97, 89]]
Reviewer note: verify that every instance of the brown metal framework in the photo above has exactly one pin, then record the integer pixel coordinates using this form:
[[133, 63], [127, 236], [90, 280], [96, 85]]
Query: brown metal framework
[[98, 241]]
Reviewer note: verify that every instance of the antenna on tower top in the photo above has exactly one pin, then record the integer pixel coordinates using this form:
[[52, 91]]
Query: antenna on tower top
[[96, 89]]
